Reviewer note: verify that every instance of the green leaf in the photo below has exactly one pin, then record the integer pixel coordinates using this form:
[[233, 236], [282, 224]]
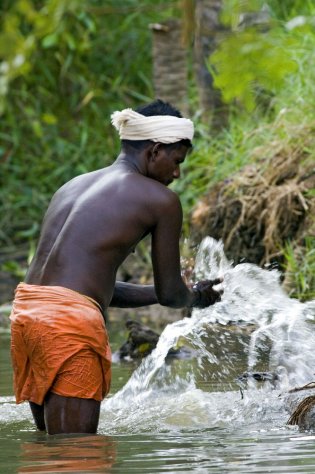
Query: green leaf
[[248, 60], [50, 40]]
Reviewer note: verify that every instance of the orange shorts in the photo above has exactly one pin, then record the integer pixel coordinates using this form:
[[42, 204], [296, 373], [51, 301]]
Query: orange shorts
[[59, 344]]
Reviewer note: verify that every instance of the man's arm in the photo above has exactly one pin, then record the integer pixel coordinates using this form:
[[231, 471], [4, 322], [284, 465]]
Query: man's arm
[[128, 295], [169, 285], [170, 288]]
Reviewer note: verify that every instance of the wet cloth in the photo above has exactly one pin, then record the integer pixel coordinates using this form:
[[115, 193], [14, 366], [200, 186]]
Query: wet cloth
[[59, 343], [158, 128]]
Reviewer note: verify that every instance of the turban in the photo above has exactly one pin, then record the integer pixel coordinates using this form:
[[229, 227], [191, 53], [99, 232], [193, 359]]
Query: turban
[[158, 128]]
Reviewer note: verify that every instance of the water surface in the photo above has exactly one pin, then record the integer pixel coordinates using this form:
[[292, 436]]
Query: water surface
[[188, 415]]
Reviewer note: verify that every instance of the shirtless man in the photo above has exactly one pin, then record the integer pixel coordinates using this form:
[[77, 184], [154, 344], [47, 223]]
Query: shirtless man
[[60, 349]]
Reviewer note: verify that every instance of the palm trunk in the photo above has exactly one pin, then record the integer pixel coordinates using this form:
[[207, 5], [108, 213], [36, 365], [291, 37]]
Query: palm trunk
[[207, 29], [170, 64]]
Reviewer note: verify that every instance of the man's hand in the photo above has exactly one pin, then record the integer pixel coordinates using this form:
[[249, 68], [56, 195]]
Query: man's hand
[[205, 294]]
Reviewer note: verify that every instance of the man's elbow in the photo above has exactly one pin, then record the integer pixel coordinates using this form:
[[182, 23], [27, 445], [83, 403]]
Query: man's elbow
[[170, 301]]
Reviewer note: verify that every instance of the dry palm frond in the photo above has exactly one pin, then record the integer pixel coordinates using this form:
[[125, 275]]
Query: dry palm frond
[[266, 204]]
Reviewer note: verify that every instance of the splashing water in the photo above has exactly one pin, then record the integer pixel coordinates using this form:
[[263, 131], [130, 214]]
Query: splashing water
[[255, 321]]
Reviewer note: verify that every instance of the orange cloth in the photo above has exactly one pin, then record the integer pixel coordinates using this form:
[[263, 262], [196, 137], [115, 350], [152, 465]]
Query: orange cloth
[[59, 343]]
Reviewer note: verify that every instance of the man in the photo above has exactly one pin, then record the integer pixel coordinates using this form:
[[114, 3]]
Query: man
[[60, 350]]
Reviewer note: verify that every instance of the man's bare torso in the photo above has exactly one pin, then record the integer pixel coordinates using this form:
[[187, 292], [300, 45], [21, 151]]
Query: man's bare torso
[[92, 224]]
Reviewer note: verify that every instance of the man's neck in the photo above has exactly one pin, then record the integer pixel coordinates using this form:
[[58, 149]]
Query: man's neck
[[133, 161]]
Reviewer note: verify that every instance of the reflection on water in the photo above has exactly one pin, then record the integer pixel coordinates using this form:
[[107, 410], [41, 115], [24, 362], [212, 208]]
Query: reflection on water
[[90, 454], [188, 415]]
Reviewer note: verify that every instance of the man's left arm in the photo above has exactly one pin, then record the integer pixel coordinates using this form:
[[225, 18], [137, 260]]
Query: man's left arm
[[129, 295]]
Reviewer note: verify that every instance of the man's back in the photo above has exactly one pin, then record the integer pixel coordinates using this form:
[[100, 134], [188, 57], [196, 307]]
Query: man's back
[[92, 224]]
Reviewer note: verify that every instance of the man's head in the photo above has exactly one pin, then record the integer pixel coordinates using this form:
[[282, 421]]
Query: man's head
[[160, 132], [167, 126], [160, 108]]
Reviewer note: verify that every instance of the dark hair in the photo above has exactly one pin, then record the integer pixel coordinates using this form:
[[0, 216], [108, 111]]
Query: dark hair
[[158, 107]]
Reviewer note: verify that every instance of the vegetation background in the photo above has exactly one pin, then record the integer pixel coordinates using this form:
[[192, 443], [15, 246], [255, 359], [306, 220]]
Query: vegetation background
[[66, 65]]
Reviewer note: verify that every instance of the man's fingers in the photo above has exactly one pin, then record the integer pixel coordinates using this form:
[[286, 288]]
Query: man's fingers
[[205, 283], [216, 297], [209, 295], [216, 281]]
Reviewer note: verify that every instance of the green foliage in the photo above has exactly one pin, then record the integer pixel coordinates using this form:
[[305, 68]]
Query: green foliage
[[65, 67], [278, 10], [24, 28], [300, 267], [249, 61], [214, 159], [13, 268], [232, 9], [260, 51]]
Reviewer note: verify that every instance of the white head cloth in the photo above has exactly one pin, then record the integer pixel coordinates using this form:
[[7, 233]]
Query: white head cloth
[[158, 128]]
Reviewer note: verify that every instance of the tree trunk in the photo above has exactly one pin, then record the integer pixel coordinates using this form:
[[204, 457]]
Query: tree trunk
[[170, 64], [207, 29], [300, 403]]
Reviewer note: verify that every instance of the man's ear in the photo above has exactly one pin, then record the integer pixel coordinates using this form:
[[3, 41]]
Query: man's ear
[[155, 150]]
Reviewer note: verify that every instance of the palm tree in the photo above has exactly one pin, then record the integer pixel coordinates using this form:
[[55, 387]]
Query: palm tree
[[170, 63], [207, 30]]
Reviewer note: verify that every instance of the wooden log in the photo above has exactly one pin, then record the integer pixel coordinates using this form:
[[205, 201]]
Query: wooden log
[[300, 403]]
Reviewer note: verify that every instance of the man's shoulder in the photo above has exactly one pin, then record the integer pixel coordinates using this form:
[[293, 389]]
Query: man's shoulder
[[159, 190], [82, 180], [163, 199]]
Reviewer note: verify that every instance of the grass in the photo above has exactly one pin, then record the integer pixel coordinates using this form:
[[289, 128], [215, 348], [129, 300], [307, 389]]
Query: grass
[[300, 269]]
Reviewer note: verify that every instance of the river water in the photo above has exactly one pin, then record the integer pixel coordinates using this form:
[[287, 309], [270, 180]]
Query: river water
[[188, 414]]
